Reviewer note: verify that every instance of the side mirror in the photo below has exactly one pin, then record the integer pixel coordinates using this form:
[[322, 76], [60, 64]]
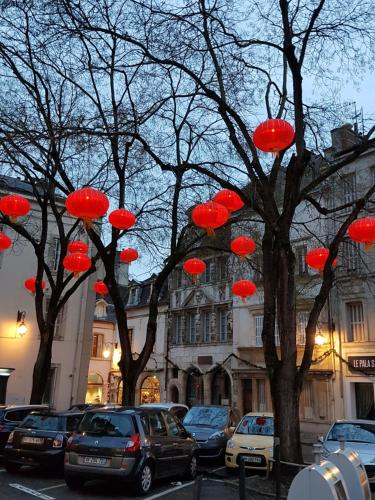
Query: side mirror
[[321, 439]]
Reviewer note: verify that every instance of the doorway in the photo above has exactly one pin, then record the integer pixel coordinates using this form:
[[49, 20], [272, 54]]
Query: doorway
[[247, 395], [364, 400]]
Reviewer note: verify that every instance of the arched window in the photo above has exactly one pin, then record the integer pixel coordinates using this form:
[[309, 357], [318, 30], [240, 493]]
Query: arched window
[[194, 388], [150, 390], [221, 393], [95, 388]]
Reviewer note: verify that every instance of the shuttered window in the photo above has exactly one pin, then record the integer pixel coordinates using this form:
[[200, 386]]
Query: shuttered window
[[308, 399], [258, 330], [191, 325], [97, 345], [302, 319], [206, 326], [349, 188], [356, 323], [223, 325]]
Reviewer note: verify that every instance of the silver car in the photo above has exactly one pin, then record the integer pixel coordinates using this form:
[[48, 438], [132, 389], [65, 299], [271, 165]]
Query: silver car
[[359, 435]]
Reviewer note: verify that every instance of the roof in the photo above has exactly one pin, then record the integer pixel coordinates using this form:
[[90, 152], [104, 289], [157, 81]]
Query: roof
[[16, 185], [259, 414], [164, 406]]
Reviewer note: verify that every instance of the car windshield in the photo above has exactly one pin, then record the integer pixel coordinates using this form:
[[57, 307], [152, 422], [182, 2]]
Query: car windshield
[[355, 432], [107, 424], [257, 425], [44, 422], [206, 416]]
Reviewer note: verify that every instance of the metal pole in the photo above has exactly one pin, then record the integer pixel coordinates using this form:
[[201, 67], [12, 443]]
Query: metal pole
[[197, 489], [242, 480], [277, 467]]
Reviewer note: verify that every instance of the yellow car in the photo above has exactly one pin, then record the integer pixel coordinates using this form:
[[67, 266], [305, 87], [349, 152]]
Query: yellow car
[[252, 440]]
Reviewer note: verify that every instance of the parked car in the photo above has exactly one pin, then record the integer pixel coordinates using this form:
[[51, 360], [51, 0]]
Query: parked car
[[177, 409], [40, 440], [358, 435], [135, 445], [252, 441], [11, 416], [211, 427], [91, 406]]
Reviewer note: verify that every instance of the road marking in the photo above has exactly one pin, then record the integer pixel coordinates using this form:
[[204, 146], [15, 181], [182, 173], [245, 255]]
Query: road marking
[[35, 493], [171, 490], [53, 487], [219, 468], [2, 470]]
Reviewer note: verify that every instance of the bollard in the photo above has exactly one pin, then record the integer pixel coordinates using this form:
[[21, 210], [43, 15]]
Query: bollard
[[242, 479], [317, 452], [276, 456], [197, 489]]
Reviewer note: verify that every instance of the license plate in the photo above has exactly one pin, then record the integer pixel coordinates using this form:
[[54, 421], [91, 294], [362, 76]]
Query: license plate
[[256, 460], [32, 440], [95, 461]]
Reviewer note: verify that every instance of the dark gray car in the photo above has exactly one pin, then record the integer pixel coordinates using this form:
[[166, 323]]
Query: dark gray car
[[135, 445], [211, 427]]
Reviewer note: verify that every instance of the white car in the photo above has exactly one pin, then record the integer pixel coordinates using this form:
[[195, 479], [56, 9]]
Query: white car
[[359, 435], [177, 409]]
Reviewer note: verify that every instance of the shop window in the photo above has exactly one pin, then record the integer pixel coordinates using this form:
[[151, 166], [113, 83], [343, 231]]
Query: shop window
[[356, 323], [97, 345], [95, 388], [364, 400], [150, 390]]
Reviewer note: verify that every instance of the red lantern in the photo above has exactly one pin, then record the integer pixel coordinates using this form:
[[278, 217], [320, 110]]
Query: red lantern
[[273, 136], [122, 219], [194, 267], [78, 246], [128, 255], [229, 199], [87, 204], [210, 216], [30, 285], [317, 258], [5, 241], [101, 288], [244, 289], [14, 206], [363, 231], [77, 263], [242, 246]]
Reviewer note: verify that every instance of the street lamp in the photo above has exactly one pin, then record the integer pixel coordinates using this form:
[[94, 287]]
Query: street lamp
[[21, 327]]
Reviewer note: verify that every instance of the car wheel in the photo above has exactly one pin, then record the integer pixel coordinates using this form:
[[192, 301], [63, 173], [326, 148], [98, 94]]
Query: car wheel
[[74, 482], [192, 468], [143, 480], [11, 467]]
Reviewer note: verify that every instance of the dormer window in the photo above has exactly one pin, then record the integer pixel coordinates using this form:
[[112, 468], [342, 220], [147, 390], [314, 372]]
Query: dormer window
[[133, 296]]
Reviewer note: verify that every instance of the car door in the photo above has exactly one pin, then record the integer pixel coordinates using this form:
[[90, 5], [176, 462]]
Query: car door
[[181, 448], [161, 444]]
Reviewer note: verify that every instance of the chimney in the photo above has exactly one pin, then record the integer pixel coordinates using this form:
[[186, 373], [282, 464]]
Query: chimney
[[343, 138]]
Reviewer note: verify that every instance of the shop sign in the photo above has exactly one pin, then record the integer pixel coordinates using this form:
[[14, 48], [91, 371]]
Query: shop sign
[[366, 363]]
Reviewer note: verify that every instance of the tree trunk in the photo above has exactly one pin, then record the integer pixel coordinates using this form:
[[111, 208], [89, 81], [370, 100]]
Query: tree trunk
[[42, 367], [129, 381]]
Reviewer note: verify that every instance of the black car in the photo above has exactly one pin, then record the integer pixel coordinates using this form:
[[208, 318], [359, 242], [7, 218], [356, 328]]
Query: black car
[[211, 426], [135, 445], [40, 440], [11, 417]]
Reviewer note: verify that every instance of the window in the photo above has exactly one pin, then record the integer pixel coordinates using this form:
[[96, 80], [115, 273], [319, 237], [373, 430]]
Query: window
[[307, 399], [97, 345], [173, 428], [258, 330], [133, 296], [301, 320], [50, 384], [178, 329], [157, 423], [257, 263], [351, 256], [223, 325], [301, 266], [60, 318], [261, 390], [349, 188], [208, 275], [191, 328], [356, 323], [95, 388], [206, 326], [178, 278], [222, 271]]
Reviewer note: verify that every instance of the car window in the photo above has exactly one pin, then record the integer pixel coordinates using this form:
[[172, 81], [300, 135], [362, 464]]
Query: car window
[[107, 424], [364, 433], [173, 428], [16, 415], [179, 412], [157, 425], [206, 416], [258, 425], [45, 422], [72, 423], [145, 424]]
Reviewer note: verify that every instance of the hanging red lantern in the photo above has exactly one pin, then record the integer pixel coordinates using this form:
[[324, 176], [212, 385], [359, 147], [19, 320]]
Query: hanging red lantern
[[244, 289], [101, 288], [78, 246], [77, 263], [194, 267], [30, 285], [87, 204], [317, 258], [243, 246], [128, 255], [273, 136], [229, 199], [363, 231], [5, 241], [14, 206], [122, 219], [210, 216]]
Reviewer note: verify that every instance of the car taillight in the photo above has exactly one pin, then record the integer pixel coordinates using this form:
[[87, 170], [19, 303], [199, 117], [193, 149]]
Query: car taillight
[[2, 427], [134, 443], [10, 438], [58, 441]]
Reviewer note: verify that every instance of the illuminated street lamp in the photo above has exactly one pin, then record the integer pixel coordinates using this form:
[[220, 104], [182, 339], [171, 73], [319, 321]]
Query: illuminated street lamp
[[21, 327], [319, 339]]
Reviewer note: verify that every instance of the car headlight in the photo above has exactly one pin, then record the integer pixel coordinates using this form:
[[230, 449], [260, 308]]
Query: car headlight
[[270, 450], [231, 444], [217, 435]]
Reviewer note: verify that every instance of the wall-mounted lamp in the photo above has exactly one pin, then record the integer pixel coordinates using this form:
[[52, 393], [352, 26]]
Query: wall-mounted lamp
[[21, 327], [319, 339], [107, 351]]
